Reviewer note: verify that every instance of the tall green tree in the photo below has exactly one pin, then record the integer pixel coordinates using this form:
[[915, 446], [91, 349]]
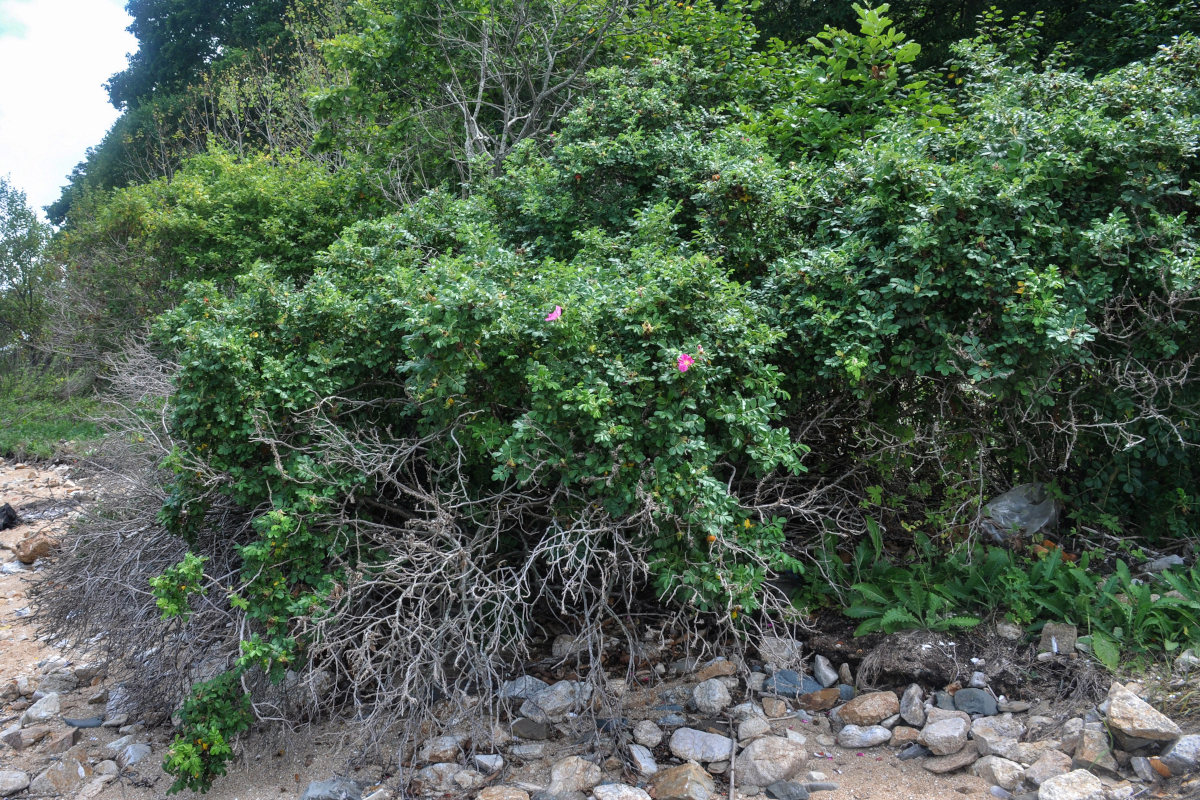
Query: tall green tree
[[178, 39], [24, 273]]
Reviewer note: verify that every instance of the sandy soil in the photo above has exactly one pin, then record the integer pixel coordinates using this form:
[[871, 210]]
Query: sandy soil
[[278, 763]]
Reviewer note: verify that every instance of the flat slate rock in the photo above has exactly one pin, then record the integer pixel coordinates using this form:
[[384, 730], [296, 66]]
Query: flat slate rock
[[976, 701], [789, 683], [787, 790], [914, 750]]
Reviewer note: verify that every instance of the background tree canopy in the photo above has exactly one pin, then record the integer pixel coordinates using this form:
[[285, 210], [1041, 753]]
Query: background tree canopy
[[178, 40]]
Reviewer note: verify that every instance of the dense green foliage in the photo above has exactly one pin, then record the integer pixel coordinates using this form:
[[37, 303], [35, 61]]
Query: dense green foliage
[[25, 273], [710, 303], [131, 251], [178, 39], [936, 590]]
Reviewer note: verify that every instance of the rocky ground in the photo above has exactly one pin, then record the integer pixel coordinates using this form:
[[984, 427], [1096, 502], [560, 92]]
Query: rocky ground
[[913, 717]]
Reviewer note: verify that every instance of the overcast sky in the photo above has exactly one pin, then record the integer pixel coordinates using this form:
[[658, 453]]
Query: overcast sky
[[55, 56]]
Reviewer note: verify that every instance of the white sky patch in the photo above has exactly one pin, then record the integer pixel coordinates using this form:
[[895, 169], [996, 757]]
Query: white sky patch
[[55, 56]]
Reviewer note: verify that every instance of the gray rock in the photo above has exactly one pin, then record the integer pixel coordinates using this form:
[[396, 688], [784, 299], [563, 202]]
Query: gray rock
[[555, 702], [936, 714], [43, 710], [1144, 770], [1051, 764], [642, 760], [1187, 661], [58, 680], [979, 680], [845, 675], [999, 771], [522, 688], [769, 759], [845, 692], [1010, 631], [441, 749], [689, 744], [333, 789], [1183, 756], [945, 737], [673, 720], [753, 727], [1077, 785], [683, 665], [824, 672], [914, 750], [1163, 564], [1058, 637], [132, 754], [780, 651], [943, 700], [117, 745], [619, 791], [435, 779], [489, 763], [744, 711], [13, 781], [854, 736], [988, 732], [912, 706], [975, 701], [468, 779], [1133, 716], [787, 790], [525, 728], [62, 778], [1069, 734], [1094, 752], [711, 696], [955, 761], [789, 683], [647, 734], [531, 751], [573, 774], [1029, 752], [1005, 748]]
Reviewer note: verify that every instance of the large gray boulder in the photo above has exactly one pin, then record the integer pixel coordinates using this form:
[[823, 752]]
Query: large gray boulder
[[689, 744]]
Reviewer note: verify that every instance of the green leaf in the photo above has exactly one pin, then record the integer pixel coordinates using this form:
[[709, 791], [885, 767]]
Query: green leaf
[[859, 611], [1106, 651], [895, 619], [871, 592]]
